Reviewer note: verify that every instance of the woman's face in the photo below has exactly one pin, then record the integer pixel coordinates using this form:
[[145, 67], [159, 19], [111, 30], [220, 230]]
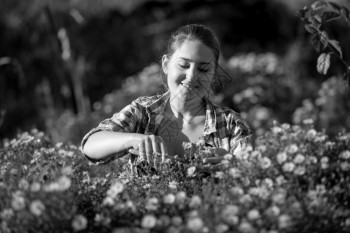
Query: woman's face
[[190, 70]]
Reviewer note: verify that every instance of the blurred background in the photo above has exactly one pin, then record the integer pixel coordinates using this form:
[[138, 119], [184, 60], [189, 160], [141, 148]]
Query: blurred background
[[66, 65]]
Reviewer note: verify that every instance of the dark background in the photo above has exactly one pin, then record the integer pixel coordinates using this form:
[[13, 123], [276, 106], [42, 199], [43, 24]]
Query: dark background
[[66, 65]]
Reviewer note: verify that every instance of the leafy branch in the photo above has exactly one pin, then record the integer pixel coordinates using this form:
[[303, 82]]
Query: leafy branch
[[314, 17]]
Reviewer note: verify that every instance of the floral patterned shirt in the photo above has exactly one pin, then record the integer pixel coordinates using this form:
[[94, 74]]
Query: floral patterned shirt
[[223, 127]]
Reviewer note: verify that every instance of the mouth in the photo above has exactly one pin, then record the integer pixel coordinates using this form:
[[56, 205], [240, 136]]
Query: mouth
[[189, 86]]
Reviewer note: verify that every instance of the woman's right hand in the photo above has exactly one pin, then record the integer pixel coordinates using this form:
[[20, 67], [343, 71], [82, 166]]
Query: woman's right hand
[[151, 148]]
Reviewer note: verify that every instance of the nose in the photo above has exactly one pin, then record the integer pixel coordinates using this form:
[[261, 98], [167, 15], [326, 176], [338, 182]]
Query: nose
[[191, 76]]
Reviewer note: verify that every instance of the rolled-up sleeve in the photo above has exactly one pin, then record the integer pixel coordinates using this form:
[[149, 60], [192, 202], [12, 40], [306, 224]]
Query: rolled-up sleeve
[[127, 120], [241, 136]]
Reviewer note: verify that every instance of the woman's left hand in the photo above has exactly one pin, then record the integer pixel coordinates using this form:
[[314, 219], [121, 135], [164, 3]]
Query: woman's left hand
[[215, 163]]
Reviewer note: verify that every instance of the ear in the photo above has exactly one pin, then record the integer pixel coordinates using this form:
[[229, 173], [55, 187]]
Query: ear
[[165, 62]]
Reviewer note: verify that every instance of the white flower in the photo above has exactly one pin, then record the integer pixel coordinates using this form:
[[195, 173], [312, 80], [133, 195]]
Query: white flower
[[234, 172], [347, 222], [267, 182], [262, 148], [284, 221], [311, 133], [345, 166], [6, 214], [23, 184], [18, 202], [279, 197], [230, 210], [176, 221], [281, 157], [67, 171], [148, 221], [195, 224], [246, 227], [190, 171], [292, 148], [299, 158], [285, 126], [180, 197], [221, 228], [276, 130], [299, 170], [228, 156], [169, 198], [253, 214], [152, 203], [246, 199], [273, 210], [108, 201], [115, 189], [265, 162], [79, 223], [236, 191], [35, 187], [37, 207], [308, 121], [324, 162], [345, 154], [288, 167], [195, 202], [63, 183], [219, 175], [312, 159], [173, 184]]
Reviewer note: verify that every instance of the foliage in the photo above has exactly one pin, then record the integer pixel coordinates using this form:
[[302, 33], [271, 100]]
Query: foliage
[[330, 109], [296, 180], [314, 18]]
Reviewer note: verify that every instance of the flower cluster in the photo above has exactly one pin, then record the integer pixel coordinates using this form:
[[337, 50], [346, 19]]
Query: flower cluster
[[295, 180]]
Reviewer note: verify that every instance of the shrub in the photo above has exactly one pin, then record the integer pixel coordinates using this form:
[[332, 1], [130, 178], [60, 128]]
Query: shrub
[[295, 180]]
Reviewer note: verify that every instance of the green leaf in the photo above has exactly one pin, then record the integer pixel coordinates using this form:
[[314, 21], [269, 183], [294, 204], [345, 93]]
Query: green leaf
[[318, 5], [323, 63], [316, 21], [324, 38], [346, 77], [315, 40], [335, 6], [346, 14], [304, 13], [336, 46], [329, 16], [310, 28]]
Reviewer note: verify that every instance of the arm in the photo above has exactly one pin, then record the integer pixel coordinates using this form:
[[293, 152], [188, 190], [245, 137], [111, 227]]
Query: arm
[[104, 144]]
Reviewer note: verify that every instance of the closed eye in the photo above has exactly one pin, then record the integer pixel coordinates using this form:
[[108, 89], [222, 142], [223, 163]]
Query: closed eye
[[203, 70]]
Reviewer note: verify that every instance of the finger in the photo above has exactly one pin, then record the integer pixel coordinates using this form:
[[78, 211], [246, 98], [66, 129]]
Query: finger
[[163, 149], [148, 148], [142, 152], [155, 143], [212, 160], [217, 167], [220, 151], [133, 151]]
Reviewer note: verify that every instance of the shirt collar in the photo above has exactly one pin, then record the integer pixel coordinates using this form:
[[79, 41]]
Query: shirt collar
[[158, 107]]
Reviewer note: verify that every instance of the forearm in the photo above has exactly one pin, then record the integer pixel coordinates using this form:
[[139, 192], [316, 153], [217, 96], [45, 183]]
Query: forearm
[[103, 144]]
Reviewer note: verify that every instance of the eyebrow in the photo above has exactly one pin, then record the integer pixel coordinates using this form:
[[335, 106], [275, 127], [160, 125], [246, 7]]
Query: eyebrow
[[203, 63]]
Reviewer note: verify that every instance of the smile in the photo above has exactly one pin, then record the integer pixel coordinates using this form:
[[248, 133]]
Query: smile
[[189, 86]]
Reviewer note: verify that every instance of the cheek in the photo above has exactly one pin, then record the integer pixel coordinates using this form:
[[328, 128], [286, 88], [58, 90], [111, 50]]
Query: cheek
[[174, 75]]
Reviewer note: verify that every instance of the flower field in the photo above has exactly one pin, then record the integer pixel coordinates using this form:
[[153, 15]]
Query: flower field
[[295, 180]]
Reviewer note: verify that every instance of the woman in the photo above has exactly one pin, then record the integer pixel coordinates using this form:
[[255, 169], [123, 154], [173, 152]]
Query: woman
[[155, 127]]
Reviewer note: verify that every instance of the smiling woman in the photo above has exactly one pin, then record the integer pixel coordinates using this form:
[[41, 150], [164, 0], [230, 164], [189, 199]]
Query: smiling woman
[[156, 127]]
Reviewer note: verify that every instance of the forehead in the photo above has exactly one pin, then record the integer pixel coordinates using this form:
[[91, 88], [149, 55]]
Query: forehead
[[195, 51]]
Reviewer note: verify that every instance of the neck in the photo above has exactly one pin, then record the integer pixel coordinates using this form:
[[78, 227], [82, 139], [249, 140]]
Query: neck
[[187, 109]]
